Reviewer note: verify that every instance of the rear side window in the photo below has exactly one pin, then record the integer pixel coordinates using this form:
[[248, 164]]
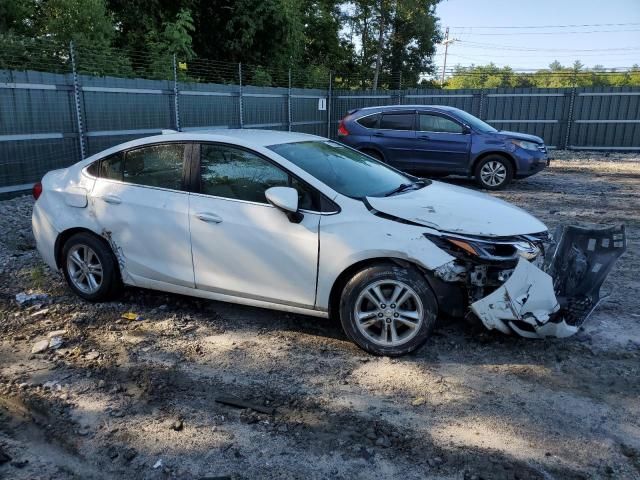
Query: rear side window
[[155, 166], [397, 121], [111, 167], [436, 123], [370, 121]]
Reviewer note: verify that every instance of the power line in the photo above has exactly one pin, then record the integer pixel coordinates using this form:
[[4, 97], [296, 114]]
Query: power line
[[547, 33], [472, 44], [553, 26]]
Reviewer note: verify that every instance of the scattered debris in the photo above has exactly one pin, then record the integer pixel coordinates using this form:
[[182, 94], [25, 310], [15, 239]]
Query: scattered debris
[[239, 403], [40, 346], [27, 298], [92, 355], [178, 425], [419, 401], [158, 464], [131, 316], [55, 343]]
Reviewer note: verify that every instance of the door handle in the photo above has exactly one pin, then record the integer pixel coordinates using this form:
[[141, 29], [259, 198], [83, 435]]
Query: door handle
[[208, 217], [423, 137], [112, 199], [378, 134]]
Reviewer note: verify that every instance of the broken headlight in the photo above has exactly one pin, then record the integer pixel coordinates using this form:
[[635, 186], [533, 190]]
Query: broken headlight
[[491, 250]]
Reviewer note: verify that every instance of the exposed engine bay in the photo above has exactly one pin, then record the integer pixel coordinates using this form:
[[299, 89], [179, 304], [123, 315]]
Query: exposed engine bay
[[536, 286]]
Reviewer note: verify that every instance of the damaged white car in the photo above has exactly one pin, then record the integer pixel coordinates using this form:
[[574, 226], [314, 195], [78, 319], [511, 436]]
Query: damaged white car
[[303, 224]]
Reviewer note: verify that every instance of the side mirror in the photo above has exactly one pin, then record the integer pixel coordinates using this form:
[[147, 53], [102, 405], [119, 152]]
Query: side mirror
[[466, 130], [285, 199]]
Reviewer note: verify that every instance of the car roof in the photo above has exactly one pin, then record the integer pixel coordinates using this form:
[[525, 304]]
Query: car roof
[[383, 108], [248, 137]]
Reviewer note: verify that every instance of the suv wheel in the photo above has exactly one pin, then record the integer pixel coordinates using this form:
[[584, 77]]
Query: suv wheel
[[90, 268], [388, 310], [494, 172]]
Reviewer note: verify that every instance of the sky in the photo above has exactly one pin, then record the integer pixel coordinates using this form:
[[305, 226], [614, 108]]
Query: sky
[[587, 34]]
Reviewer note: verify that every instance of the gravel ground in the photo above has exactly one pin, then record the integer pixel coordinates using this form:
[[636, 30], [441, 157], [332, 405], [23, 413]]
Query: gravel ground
[[137, 398]]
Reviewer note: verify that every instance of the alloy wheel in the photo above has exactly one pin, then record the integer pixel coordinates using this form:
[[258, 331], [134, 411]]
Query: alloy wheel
[[84, 268], [493, 173], [388, 313]]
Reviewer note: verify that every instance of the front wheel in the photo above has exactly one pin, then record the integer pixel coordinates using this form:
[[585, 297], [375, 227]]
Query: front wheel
[[494, 172], [388, 310]]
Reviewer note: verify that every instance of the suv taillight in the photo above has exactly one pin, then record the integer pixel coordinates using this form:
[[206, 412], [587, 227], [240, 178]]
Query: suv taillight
[[37, 190], [342, 130]]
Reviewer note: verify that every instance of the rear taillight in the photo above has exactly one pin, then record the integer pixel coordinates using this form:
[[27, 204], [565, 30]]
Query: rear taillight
[[342, 130], [37, 190]]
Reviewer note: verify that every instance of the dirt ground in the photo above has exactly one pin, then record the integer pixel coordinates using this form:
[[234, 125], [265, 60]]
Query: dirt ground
[[137, 398]]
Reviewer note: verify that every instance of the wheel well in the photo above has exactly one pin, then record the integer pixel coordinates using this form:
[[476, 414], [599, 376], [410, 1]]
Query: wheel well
[[343, 278], [498, 153], [67, 234]]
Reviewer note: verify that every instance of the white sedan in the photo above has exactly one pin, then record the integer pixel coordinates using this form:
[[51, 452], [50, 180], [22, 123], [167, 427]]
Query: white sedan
[[303, 224]]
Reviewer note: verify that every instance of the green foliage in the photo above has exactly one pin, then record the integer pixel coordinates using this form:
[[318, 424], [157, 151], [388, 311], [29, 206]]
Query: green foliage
[[556, 76]]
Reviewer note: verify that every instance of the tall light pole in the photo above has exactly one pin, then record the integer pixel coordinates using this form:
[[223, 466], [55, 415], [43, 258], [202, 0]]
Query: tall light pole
[[446, 43]]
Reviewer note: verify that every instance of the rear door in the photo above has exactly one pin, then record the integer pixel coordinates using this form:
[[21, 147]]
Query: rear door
[[142, 208], [441, 143], [395, 137]]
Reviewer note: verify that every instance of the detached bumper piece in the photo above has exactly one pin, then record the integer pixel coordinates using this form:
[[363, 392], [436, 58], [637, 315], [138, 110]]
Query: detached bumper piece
[[554, 303]]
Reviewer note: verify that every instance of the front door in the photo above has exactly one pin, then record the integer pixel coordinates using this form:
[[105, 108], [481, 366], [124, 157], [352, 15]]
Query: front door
[[143, 211], [242, 245], [441, 144]]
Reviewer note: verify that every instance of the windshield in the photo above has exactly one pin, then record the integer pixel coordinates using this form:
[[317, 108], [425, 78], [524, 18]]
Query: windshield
[[345, 170], [475, 122]]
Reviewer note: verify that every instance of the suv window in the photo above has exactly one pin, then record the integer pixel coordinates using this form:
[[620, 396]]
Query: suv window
[[155, 166], [237, 174], [397, 121], [437, 123], [370, 121]]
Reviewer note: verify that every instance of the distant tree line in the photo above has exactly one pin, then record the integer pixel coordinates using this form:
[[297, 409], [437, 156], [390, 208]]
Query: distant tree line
[[556, 76]]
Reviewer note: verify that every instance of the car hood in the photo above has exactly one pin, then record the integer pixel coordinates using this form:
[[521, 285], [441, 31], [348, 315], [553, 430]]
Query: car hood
[[518, 136], [460, 210]]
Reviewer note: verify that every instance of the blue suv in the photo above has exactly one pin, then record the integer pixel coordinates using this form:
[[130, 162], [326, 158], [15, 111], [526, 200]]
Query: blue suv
[[442, 141]]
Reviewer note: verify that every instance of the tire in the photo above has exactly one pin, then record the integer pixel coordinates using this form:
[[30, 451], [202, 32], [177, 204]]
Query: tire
[[494, 172], [373, 153], [99, 264], [376, 331]]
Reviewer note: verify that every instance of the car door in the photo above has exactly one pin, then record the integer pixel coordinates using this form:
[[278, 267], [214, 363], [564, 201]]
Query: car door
[[142, 209], [442, 144], [242, 245], [395, 137]]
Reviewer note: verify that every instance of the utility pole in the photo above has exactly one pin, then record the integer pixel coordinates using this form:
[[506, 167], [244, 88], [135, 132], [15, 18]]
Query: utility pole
[[446, 43]]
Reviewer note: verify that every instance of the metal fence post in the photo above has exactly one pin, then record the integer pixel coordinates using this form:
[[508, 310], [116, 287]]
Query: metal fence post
[[77, 101], [329, 106], [481, 104], [176, 102], [241, 113], [289, 101], [569, 118]]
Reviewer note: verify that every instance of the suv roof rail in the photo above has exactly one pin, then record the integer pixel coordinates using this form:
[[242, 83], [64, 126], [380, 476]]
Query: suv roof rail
[[168, 131]]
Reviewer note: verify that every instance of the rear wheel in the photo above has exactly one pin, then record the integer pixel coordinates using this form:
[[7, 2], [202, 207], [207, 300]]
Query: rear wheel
[[388, 310], [90, 267], [494, 172]]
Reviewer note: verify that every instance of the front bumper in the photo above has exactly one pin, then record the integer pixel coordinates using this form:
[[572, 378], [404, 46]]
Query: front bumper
[[555, 302]]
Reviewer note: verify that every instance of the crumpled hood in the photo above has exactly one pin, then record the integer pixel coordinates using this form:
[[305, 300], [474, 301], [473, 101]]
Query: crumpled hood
[[459, 210], [518, 136]]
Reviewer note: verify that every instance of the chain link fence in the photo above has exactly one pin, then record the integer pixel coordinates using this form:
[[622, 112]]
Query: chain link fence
[[62, 103]]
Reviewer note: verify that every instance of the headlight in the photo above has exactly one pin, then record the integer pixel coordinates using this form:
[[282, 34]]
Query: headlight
[[525, 145], [486, 250]]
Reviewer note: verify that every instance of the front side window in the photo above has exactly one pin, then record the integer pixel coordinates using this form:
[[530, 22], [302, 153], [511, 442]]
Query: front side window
[[343, 169], [436, 123], [397, 121], [155, 166], [237, 174]]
